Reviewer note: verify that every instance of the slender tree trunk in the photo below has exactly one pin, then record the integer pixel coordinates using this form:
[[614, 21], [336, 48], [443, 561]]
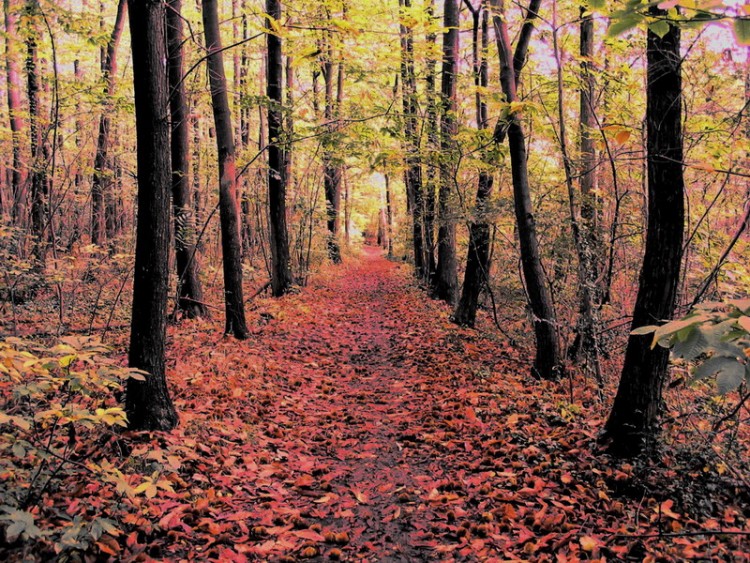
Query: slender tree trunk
[[281, 275], [229, 210], [15, 112], [587, 325], [331, 168], [547, 361], [101, 183], [478, 258], [147, 402], [446, 277], [190, 292], [413, 171], [39, 186], [633, 422], [433, 152], [389, 212]]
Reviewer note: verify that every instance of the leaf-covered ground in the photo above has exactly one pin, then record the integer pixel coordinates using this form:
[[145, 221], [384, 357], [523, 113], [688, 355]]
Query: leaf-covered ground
[[359, 423]]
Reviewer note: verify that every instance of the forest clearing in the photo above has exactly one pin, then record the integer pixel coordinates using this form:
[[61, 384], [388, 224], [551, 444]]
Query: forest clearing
[[416, 280]]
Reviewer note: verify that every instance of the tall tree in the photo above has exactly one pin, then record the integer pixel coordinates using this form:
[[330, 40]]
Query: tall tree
[[15, 112], [412, 160], [281, 275], [433, 147], [333, 79], [477, 270], [190, 292], [229, 211], [446, 277], [39, 186], [547, 359], [147, 402], [633, 421], [102, 179]]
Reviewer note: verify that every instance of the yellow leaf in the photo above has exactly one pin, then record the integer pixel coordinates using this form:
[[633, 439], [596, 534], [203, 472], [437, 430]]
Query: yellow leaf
[[588, 543]]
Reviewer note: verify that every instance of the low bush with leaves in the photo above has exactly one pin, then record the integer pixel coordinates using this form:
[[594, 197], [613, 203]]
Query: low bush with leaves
[[715, 337], [58, 410]]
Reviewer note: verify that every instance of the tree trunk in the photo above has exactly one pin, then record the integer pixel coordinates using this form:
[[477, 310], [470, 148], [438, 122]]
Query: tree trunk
[[446, 278], [190, 292], [389, 214], [633, 422], [148, 404], [281, 275], [478, 258], [15, 112], [547, 361], [413, 171], [39, 186], [229, 211], [587, 326], [433, 152], [101, 183]]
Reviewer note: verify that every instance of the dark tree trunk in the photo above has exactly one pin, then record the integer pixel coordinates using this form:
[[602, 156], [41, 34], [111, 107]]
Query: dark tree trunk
[[389, 214], [478, 257], [148, 404], [39, 185], [547, 361], [281, 275], [190, 292], [102, 180], [446, 277], [433, 151], [332, 169], [15, 112], [633, 422], [413, 171], [229, 210]]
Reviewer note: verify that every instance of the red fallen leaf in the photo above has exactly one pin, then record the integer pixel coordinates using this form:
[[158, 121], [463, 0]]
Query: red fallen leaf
[[666, 509], [304, 481], [237, 516], [393, 515], [361, 496], [308, 535]]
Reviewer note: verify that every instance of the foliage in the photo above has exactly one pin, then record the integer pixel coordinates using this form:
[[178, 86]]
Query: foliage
[[715, 337], [57, 402]]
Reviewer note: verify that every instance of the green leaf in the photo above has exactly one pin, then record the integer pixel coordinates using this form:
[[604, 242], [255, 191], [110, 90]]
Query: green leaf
[[659, 28], [623, 23], [742, 31], [644, 330], [714, 365], [692, 347], [730, 377]]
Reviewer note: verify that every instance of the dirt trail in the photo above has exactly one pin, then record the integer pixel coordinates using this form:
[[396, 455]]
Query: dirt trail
[[359, 423]]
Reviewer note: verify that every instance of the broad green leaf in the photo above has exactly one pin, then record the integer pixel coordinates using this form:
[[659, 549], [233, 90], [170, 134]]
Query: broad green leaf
[[644, 330], [742, 30], [692, 347], [714, 365], [659, 27], [730, 377]]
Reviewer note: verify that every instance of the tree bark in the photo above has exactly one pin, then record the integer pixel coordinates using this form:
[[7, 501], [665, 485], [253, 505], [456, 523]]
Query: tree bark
[[433, 153], [15, 112], [39, 185], [478, 258], [633, 421], [102, 180], [281, 275], [229, 210], [148, 404], [446, 277], [412, 159], [190, 292], [547, 361]]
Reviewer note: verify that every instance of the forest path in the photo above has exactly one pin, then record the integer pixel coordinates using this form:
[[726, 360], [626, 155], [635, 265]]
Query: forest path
[[359, 422]]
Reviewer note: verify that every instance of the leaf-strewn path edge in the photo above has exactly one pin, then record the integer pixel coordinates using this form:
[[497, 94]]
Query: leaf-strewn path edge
[[359, 423]]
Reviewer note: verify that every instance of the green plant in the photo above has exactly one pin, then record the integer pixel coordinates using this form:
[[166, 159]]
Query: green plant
[[56, 405], [713, 336]]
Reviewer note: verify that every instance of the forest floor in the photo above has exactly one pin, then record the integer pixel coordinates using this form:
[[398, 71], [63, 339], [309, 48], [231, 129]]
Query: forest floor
[[359, 423]]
